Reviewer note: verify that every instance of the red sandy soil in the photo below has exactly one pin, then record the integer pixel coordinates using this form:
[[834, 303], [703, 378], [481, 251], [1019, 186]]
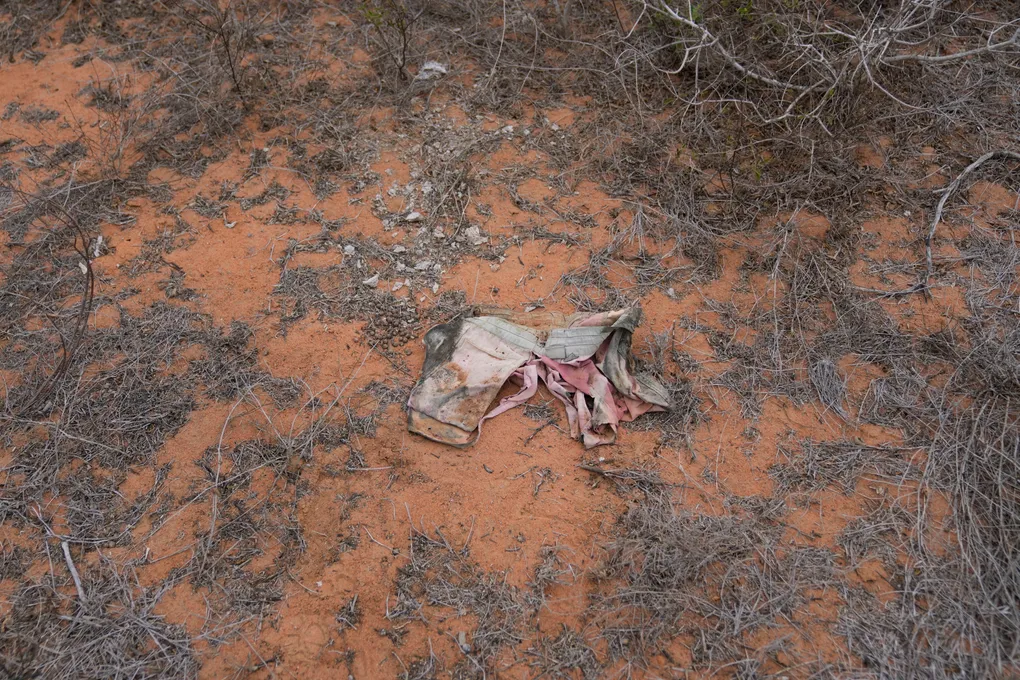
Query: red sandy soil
[[488, 496]]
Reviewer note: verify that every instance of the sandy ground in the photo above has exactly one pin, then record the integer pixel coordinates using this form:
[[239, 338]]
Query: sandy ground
[[518, 495]]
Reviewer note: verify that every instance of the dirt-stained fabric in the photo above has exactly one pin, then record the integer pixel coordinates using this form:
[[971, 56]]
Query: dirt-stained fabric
[[583, 360]]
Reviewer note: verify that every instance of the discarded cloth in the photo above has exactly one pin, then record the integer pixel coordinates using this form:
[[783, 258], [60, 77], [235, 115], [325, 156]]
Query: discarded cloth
[[583, 359]]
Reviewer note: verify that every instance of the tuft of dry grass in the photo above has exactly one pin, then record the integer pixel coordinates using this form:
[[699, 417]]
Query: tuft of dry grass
[[714, 580], [564, 656], [439, 575], [816, 465], [111, 632]]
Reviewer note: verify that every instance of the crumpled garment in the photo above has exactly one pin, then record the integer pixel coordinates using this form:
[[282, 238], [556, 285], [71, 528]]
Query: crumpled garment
[[583, 360]]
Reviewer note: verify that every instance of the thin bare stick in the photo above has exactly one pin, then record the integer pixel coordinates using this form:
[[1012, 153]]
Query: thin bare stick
[[946, 193], [73, 570], [945, 58], [709, 39], [378, 542]]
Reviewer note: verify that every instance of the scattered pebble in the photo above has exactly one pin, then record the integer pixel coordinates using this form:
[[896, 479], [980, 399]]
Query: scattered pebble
[[372, 282], [475, 237], [393, 326]]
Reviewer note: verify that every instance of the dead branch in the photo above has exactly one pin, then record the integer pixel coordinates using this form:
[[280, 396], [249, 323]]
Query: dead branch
[[946, 193]]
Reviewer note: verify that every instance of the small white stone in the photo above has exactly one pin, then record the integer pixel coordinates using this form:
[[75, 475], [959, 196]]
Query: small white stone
[[372, 282], [430, 70], [435, 288], [422, 265], [399, 249], [509, 129], [475, 237], [413, 217], [348, 249]]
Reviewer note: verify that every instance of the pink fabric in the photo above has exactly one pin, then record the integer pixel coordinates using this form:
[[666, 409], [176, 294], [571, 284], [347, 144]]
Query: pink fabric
[[570, 382], [468, 361]]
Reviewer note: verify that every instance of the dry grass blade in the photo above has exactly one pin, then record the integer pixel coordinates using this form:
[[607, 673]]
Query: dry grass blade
[[111, 633], [831, 388], [564, 656], [717, 579]]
